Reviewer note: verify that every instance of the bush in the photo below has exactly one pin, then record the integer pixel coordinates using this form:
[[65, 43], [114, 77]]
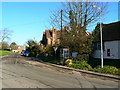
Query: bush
[[85, 66], [49, 50], [107, 69], [34, 51], [68, 62], [33, 47], [54, 61], [81, 65]]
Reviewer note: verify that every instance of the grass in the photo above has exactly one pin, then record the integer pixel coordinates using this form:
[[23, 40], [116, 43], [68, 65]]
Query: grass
[[4, 53]]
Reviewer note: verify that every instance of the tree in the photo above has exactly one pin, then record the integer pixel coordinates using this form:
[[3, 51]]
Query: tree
[[78, 13], [33, 47], [4, 45], [49, 50], [13, 46], [77, 42], [5, 34], [78, 16]]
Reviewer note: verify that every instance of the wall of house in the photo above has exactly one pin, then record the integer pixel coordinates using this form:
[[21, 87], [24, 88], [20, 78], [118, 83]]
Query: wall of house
[[49, 41], [96, 54], [114, 48], [119, 49], [54, 36]]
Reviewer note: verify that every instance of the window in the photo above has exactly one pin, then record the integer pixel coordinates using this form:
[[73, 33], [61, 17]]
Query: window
[[97, 46]]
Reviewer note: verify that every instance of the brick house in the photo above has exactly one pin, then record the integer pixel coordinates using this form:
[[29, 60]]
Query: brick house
[[51, 37]]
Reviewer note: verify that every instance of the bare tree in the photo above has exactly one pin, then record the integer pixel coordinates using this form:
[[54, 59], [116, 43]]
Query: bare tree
[[78, 16], [83, 13], [5, 34]]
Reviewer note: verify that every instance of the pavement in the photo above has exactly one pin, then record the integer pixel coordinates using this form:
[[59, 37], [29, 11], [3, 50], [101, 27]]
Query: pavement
[[23, 72]]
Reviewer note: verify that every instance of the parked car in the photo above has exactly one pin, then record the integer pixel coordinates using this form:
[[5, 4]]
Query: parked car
[[22, 53], [25, 53]]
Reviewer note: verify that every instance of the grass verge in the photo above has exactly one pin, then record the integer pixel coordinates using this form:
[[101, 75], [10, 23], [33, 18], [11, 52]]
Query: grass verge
[[4, 53]]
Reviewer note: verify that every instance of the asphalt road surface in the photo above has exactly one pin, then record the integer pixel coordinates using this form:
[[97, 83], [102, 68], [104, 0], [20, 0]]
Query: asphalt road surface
[[16, 75]]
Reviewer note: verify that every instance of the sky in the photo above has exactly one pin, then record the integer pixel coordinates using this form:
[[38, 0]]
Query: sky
[[28, 20]]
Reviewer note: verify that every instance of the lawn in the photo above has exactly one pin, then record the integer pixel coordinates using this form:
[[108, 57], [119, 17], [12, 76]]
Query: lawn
[[3, 52]]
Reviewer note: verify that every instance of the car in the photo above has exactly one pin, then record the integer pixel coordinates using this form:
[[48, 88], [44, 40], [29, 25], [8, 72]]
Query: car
[[25, 53], [22, 53]]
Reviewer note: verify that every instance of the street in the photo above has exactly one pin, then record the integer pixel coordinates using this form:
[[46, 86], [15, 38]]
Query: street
[[17, 75]]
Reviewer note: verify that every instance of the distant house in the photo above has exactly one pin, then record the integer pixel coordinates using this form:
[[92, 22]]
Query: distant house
[[19, 49], [111, 42], [51, 37]]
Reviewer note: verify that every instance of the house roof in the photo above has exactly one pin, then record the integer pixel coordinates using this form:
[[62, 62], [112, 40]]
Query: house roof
[[48, 35], [111, 31]]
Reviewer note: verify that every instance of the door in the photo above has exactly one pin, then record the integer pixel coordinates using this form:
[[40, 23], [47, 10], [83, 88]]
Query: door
[[108, 52]]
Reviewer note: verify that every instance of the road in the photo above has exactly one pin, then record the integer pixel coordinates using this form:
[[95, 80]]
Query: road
[[16, 75]]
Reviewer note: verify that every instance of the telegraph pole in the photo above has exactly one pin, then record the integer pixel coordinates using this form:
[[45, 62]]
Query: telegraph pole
[[62, 58], [61, 28]]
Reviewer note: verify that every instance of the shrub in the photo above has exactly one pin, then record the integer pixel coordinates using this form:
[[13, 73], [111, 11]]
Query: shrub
[[49, 50], [54, 61], [107, 69], [81, 65], [33, 47], [68, 62], [84, 63]]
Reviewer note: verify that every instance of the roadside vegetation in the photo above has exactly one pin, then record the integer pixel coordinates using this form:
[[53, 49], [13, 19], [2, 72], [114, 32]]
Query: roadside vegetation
[[4, 53], [107, 69], [110, 66], [91, 64], [84, 65]]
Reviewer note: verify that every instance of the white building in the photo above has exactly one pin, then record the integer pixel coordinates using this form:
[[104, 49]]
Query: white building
[[19, 49], [111, 42]]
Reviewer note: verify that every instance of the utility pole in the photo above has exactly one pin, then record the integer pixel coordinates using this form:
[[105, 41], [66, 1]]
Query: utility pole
[[61, 28], [62, 58]]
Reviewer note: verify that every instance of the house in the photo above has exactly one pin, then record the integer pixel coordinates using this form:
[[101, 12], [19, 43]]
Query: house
[[111, 42], [51, 37], [19, 49]]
